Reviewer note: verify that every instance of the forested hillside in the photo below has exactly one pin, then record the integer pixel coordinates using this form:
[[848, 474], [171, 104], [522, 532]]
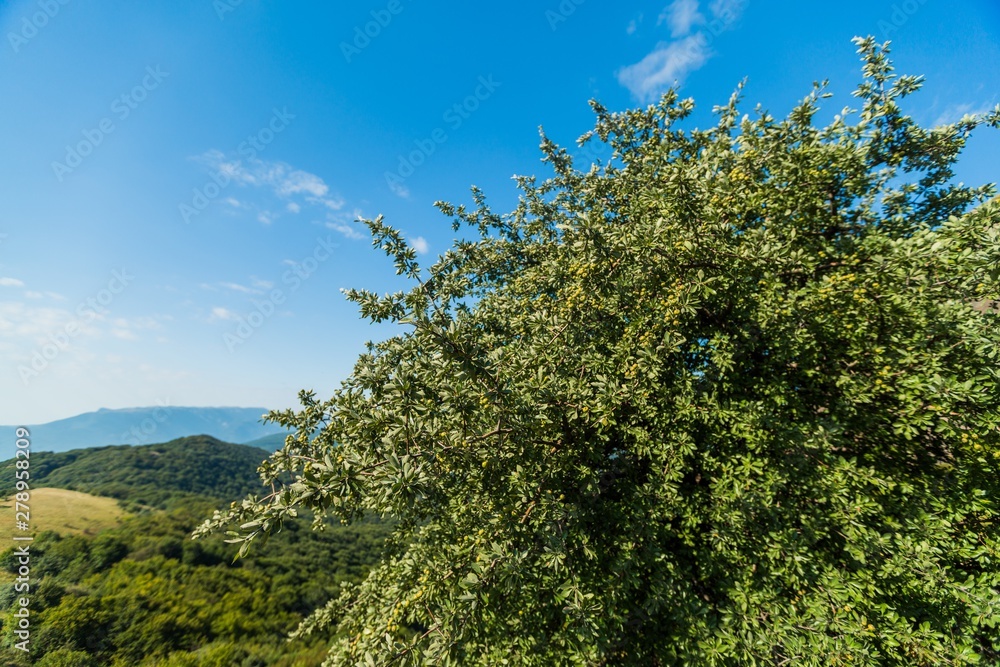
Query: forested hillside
[[145, 594], [151, 475]]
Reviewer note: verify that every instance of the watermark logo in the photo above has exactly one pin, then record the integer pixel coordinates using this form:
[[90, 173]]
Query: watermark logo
[[223, 7], [901, 14], [249, 149], [453, 118], [21, 626], [32, 25], [293, 279], [363, 35], [122, 107], [141, 433], [86, 312], [561, 14]]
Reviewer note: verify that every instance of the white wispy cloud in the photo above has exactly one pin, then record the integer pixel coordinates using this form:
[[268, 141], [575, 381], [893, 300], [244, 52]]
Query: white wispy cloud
[[955, 112], [128, 328], [255, 288], [681, 16], [399, 189], [419, 243], [224, 314], [345, 229], [634, 24], [236, 287], [669, 63], [11, 282], [25, 327], [32, 324], [296, 182], [282, 179], [332, 204], [344, 223], [33, 294]]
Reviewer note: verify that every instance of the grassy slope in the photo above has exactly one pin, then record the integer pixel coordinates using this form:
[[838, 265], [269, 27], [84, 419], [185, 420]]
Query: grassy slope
[[63, 511], [59, 510]]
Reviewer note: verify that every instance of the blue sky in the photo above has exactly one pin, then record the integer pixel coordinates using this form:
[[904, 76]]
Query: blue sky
[[181, 179]]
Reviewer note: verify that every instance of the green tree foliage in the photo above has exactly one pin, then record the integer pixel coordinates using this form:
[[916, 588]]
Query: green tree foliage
[[64, 658], [731, 398]]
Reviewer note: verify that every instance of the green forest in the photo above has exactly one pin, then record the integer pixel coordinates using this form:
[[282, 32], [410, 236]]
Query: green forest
[[145, 594]]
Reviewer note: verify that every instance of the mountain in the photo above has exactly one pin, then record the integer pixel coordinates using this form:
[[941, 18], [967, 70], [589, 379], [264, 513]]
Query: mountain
[[271, 443], [148, 475], [142, 426]]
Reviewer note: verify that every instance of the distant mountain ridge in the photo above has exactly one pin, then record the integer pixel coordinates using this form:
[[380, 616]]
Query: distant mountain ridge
[[143, 426], [271, 443]]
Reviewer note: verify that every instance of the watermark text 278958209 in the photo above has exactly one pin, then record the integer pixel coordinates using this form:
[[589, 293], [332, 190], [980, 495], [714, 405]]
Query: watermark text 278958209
[[22, 522]]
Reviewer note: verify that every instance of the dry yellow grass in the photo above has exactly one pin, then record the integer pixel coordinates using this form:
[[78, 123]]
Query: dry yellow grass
[[66, 512]]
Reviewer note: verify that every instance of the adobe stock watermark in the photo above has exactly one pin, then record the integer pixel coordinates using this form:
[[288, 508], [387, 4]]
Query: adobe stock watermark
[[86, 312], [249, 148], [363, 35], [454, 117], [223, 7], [141, 433], [293, 279], [33, 24], [21, 626], [121, 107], [727, 15], [901, 13], [592, 152], [561, 14]]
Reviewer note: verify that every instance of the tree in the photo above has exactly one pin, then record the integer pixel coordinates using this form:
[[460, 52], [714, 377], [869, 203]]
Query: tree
[[67, 658], [730, 398]]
